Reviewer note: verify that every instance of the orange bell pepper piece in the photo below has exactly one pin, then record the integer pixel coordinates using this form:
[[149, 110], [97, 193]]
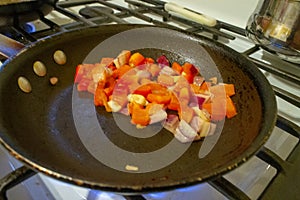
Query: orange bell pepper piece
[[174, 103], [119, 72], [216, 109], [143, 90], [230, 108], [139, 115], [159, 98], [177, 67], [136, 59], [229, 89]]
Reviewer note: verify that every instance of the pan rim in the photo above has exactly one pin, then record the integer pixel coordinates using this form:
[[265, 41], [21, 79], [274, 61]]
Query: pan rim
[[268, 123]]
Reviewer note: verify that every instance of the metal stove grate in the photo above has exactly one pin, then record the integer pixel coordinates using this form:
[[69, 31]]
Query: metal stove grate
[[285, 182]]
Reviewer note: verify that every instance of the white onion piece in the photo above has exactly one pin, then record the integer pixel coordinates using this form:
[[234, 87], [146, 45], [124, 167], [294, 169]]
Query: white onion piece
[[205, 129], [186, 129], [181, 137], [158, 116], [196, 123], [212, 129], [115, 107], [122, 58], [202, 114], [167, 70], [143, 74], [171, 123]]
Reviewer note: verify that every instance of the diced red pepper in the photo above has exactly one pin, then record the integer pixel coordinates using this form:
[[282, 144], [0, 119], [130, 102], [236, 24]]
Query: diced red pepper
[[78, 76], [148, 61], [189, 68], [189, 72]]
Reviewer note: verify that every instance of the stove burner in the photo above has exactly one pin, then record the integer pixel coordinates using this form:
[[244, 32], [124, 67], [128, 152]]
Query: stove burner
[[29, 27], [95, 11]]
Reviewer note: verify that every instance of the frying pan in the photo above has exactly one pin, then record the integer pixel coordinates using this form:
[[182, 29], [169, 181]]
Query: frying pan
[[41, 129], [23, 10]]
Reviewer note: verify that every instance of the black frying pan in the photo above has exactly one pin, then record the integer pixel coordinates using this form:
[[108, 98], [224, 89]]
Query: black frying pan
[[39, 128]]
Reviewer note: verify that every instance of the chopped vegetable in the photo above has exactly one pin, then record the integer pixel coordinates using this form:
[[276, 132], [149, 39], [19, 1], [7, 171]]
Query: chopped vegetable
[[53, 80], [60, 57], [148, 89], [39, 68], [24, 84], [136, 59]]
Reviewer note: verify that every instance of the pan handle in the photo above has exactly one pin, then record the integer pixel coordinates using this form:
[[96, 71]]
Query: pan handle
[[9, 47]]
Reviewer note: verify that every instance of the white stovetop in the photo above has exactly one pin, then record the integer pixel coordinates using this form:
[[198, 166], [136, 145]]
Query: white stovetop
[[235, 12]]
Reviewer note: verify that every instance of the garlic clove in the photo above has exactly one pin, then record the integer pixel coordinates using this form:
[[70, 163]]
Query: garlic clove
[[24, 84], [53, 80], [39, 68], [60, 57]]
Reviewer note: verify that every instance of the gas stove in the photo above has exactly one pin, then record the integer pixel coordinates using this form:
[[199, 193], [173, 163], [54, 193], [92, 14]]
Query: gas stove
[[268, 175]]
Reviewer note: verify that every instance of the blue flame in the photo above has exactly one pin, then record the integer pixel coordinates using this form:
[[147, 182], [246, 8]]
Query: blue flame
[[29, 27]]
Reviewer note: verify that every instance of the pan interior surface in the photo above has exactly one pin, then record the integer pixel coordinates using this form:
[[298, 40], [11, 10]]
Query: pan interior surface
[[39, 126]]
